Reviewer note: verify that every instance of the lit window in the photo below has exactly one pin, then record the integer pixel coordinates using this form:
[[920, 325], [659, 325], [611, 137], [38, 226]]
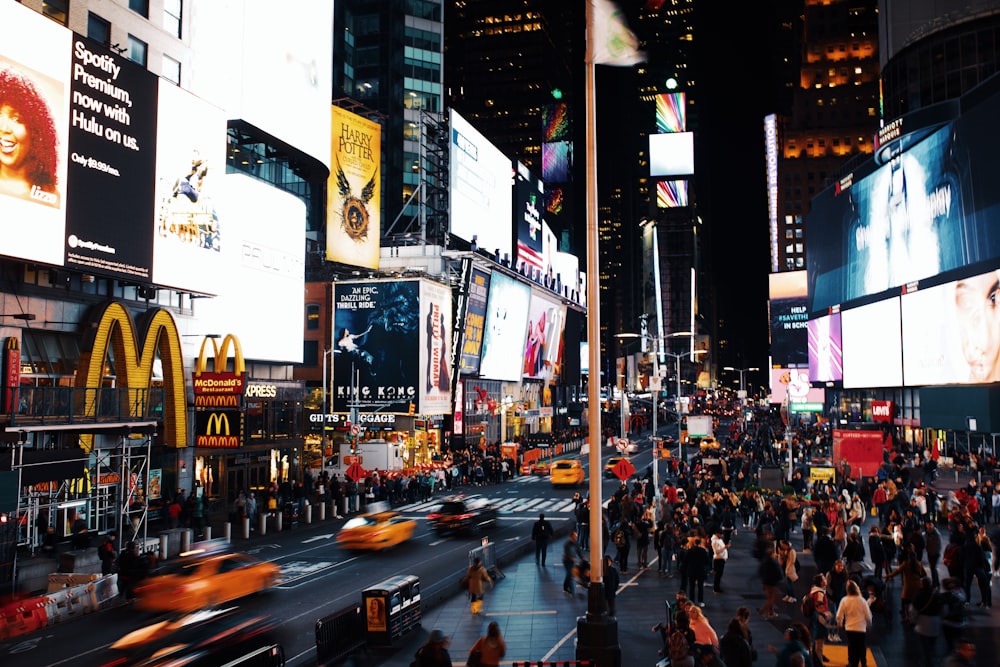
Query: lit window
[[57, 10]]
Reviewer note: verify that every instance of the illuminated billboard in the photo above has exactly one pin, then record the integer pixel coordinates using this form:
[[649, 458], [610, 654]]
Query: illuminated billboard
[[435, 355], [951, 332], [671, 154], [794, 382], [543, 338], [826, 356], [506, 323], [556, 122], [931, 209], [376, 365], [475, 322], [354, 194], [557, 161], [787, 308], [671, 112], [480, 186], [671, 194], [872, 345], [529, 194]]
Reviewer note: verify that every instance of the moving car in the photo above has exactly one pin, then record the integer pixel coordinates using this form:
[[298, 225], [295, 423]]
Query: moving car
[[609, 467], [376, 530], [463, 513], [204, 580], [569, 472]]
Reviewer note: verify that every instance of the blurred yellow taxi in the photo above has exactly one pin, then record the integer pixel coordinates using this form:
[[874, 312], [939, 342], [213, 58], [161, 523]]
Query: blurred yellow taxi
[[377, 530], [198, 581], [568, 473]]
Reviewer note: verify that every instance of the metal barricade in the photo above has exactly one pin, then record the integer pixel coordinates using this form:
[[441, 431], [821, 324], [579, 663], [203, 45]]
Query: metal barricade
[[339, 635], [557, 663], [487, 553]]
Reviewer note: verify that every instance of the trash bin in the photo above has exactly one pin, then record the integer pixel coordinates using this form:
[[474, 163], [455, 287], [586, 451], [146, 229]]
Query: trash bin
[[289, 515], [391, 609]]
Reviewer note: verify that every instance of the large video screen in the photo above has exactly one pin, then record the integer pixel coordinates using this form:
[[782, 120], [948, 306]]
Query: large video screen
[[671, 194], [932, 209], [435, 341], [671, 112], [826, 357], [529, 204], [789, 320], [475, 322], [951, 332], [543, 338], [480, 186], [873, 345], [506, 323], [794, 383], [671, 154], [557, 161]]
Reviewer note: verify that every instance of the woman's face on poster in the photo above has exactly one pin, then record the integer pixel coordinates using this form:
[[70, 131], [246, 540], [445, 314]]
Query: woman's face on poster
[[15, 140]]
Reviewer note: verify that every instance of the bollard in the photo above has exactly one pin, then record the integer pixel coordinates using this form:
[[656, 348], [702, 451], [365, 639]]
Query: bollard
[[278, 517], [246, 528], [186, 539], [227, 532], [309, 514], [322, 511], [163, 546], [208, 533], [263, 524]]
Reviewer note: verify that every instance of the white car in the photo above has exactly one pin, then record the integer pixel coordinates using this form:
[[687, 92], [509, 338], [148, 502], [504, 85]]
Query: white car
[[626, 446]]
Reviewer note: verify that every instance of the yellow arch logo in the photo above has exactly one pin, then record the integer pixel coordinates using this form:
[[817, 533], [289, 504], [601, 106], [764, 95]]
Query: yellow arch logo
[[116, 331], [221, 356], [218, 424]]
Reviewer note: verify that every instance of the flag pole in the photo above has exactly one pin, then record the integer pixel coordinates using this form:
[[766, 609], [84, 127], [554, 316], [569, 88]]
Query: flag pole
[[597, 632]]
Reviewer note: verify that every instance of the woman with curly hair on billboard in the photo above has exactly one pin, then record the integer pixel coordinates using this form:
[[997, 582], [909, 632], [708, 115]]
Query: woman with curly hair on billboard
[[28, 140]]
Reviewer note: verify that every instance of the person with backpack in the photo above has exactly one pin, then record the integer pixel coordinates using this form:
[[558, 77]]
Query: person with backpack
[[681, 641], [816, 608], [541, 533], [623, 543]]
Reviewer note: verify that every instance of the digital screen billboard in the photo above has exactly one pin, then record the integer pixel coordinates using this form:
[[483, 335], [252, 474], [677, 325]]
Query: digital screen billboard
[[376, 344], [506, 323], [932, 209], [826, 356], [480, 187], [556, 122], [671, 154], [951, 332], [566, 267], [794, 382], [475, 322], [354, 193], [543, 338], [671, 194], [435, 339], [872, 345], [557, 161], [671, 112], [789, 320], [529, 194]]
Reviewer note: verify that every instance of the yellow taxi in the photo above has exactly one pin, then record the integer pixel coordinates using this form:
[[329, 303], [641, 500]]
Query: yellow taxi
[[569, 473], [203, 580], [609, 467], [379, 529]]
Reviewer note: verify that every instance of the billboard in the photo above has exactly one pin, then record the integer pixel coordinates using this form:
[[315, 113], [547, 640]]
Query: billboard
[[376, 344], [506, 323], [353, 192], [671, 154], [475, 322], [557, 161], [789, 320], [556, 122], [671, 112], [826, 356], [794, 382], [951, 332], [931, 209], [872, 345], [671, 194], [34, 73], [435, 355], [480, 185], [529, 201], [543, 338], [261, 269], [190, 163], [862, 449]]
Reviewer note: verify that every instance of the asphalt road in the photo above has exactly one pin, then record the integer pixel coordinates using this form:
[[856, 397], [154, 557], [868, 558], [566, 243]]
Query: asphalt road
[[320, 579]]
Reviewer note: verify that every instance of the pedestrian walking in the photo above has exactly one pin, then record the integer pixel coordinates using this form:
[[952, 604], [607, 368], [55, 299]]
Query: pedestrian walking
[[697, 564], [611, 583], [571, 555], [491, 648], [434, 653], [855, 617], [477, 576], [771, 577], [928, 605], [541, 533], [720, 553]]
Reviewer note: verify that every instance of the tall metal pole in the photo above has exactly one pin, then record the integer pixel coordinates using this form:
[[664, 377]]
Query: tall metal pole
[[680, 441]]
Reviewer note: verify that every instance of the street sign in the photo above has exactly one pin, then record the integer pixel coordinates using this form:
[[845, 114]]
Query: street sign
[[355, 472], [355, 429], [623, 470]]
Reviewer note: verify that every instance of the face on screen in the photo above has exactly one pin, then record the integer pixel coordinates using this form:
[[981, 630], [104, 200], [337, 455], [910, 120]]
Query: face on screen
[[978, 318]]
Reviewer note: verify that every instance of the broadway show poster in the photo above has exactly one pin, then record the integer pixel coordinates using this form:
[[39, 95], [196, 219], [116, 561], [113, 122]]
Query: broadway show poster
[[544, 334], [34, 59], [376, 340], [112, 174], [435, 339], [354, 196], [475, 322], [506, 323]]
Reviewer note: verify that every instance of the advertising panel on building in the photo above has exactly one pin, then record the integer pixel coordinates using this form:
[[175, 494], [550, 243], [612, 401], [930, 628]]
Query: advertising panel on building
[[671, 154], [435, 355], [377, 344], [34, 74], [931, 209], [190, 163], [506, 323], [671, 112], [543, 338], [566, 267], [789, 319], [794, 382], [671, 194], [873, 345], [475, 322], [529, 202], [951, 332], [261, 269], [480, 187], [354, 195], [826, 356]]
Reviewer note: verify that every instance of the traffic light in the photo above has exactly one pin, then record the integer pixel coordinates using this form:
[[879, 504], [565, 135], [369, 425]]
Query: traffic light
[[412, 408]]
